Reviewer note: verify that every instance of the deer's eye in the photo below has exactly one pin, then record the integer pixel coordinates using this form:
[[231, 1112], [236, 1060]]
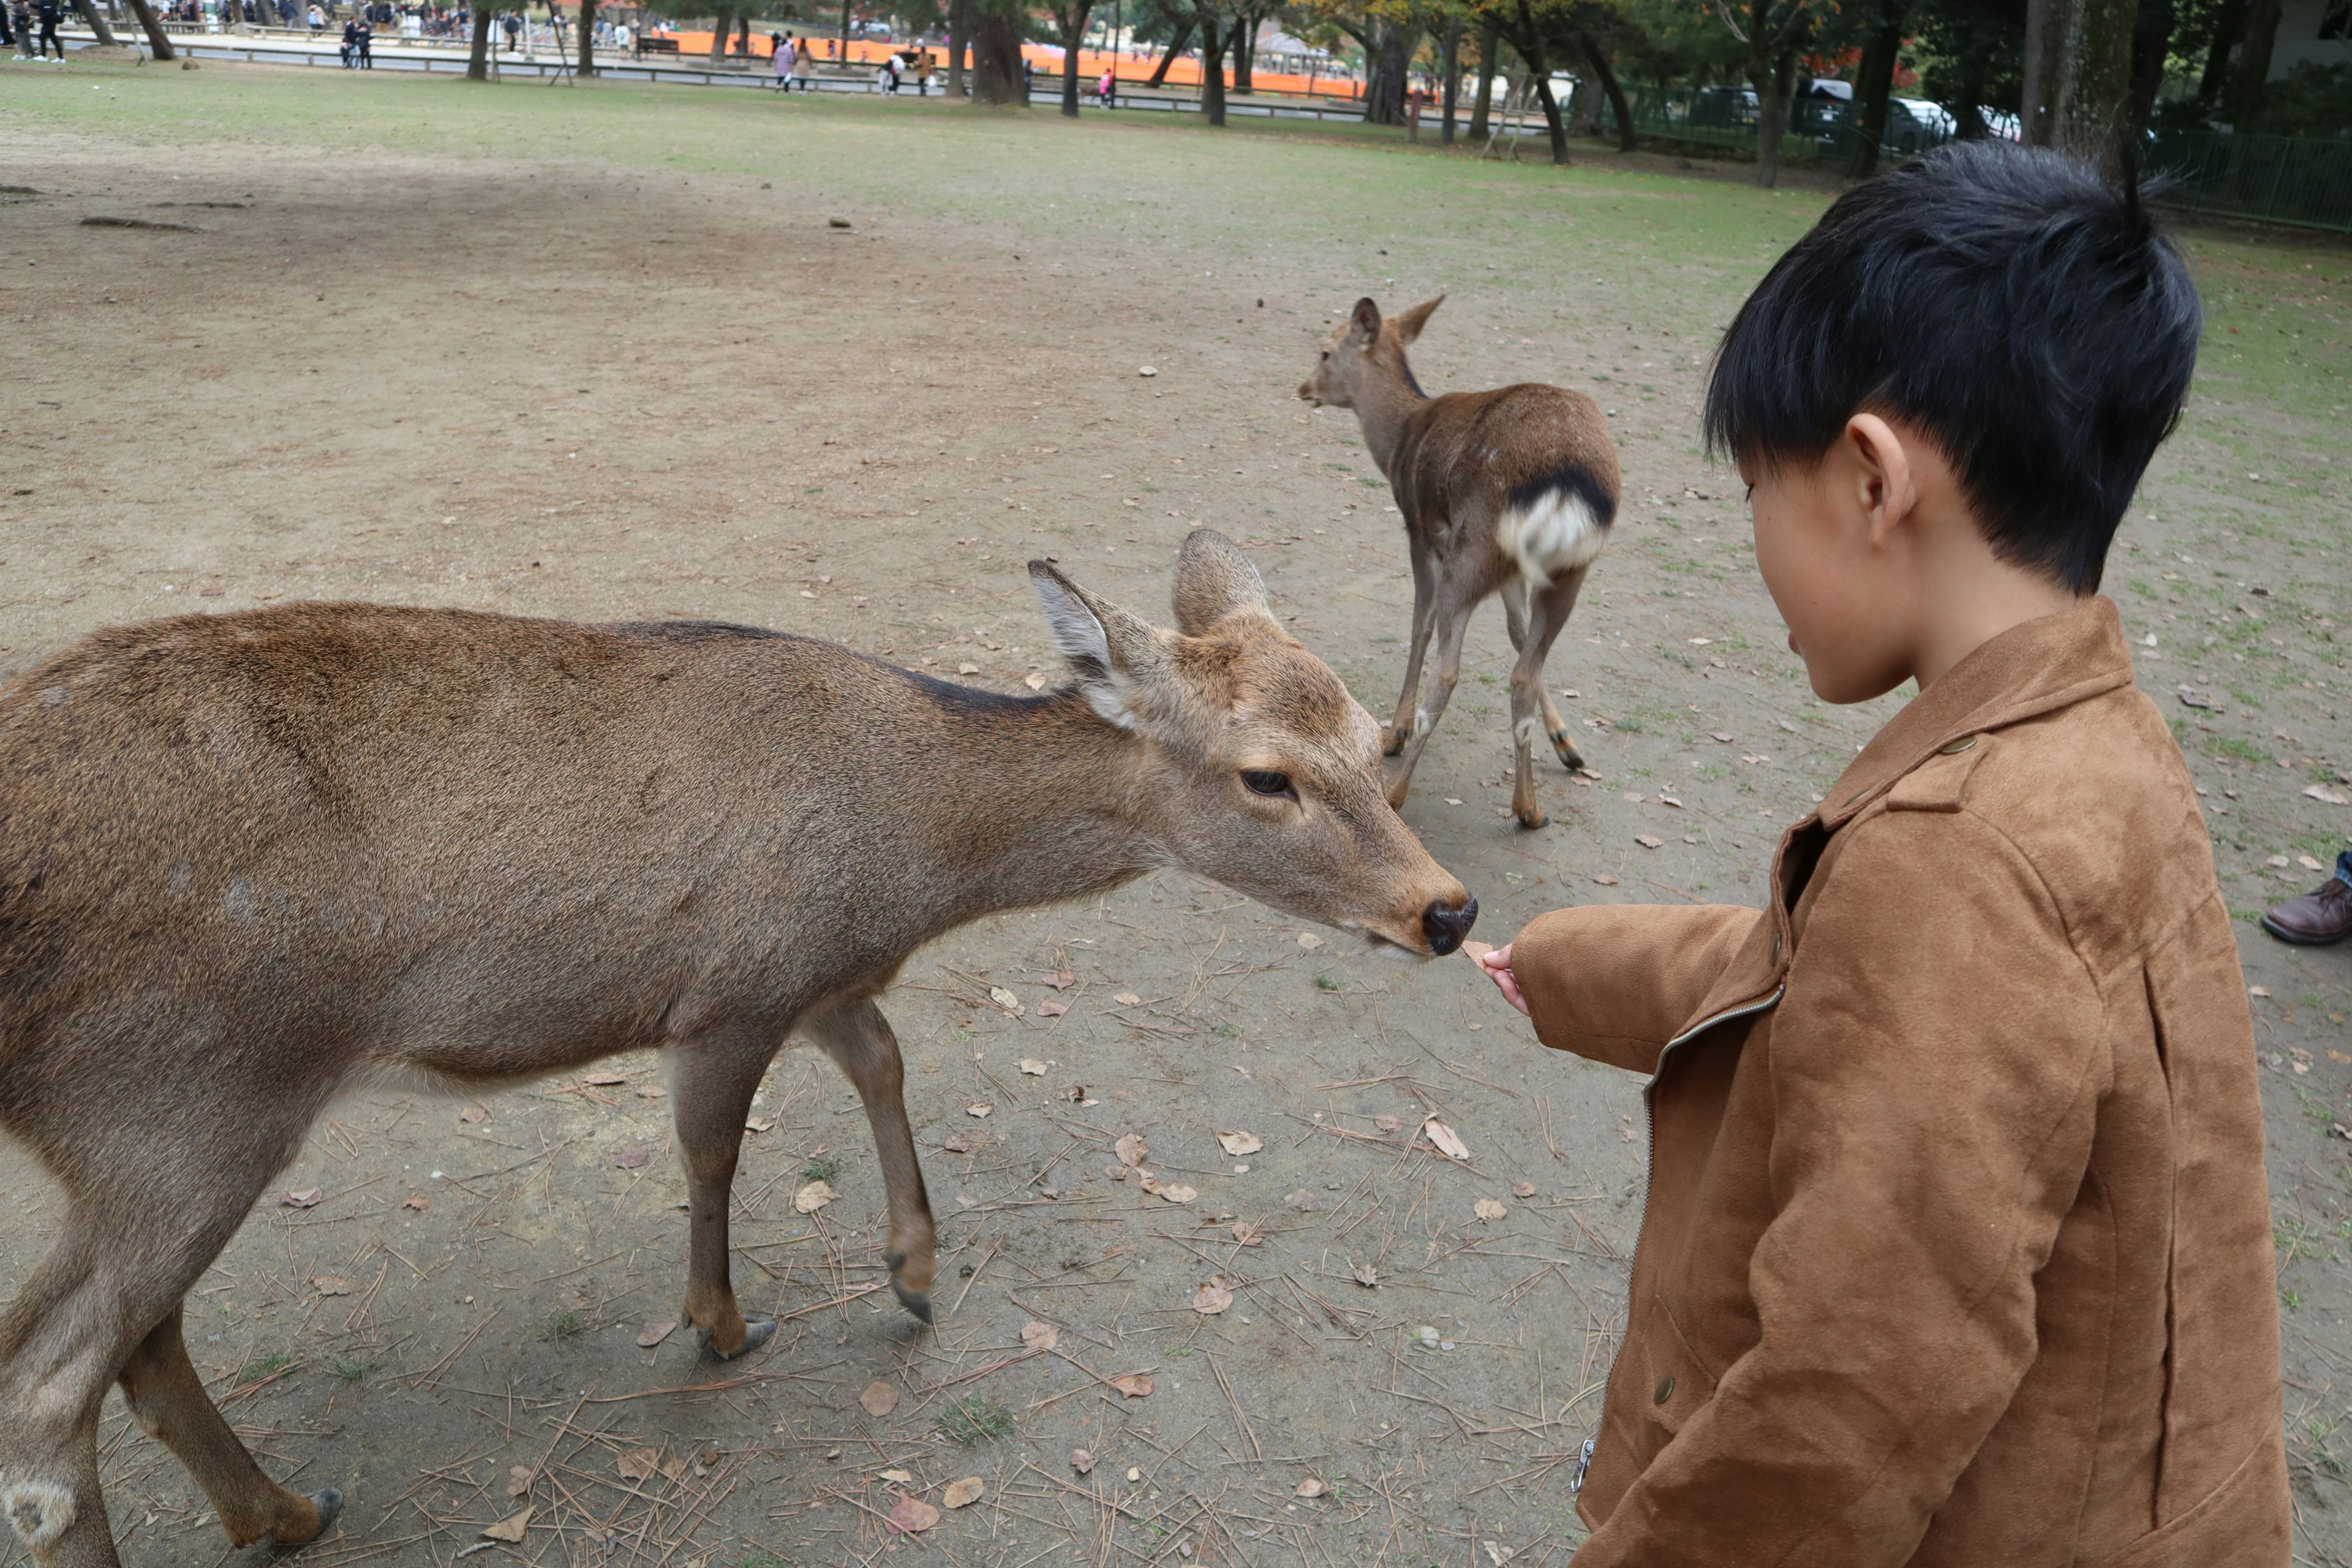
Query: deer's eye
[[1261, 781]]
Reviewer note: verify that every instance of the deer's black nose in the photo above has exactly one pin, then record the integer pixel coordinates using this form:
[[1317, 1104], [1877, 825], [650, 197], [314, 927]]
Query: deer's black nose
[[1446, 928]]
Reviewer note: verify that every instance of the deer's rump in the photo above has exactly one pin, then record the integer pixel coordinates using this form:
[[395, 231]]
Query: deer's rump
[[1537, 453]]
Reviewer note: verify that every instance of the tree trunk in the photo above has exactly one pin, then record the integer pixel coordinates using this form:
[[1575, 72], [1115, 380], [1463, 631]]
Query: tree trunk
[[97, 23], [722, 23], [2033, 73], [2095, 100], [1390, 68], [1970, 107], [2228, 23], [159, 42], [1074, 33], [1175, 49], [587, 65], [477, 63], [844, 31], [1450, 62], [2151, 44], [1771, 80], [2253, 73], [1482, 107], [959, 41], [1213, 39], [996, 59], [1552, 121], [1875, 83], [1244, 36], [1598, 58]]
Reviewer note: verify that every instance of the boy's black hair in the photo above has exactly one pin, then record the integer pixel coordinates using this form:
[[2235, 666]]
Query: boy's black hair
[[2019, 310]]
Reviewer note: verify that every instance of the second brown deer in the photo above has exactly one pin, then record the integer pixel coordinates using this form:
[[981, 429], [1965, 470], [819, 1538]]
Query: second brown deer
[[250, 861], [1511, 491]]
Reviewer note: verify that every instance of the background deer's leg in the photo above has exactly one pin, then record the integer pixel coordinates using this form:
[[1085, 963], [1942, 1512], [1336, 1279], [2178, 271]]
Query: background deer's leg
[[1425, 598], [168, 1402], [1452, 620], [1514, 612], [856, 1035], [1546, 615], [714, 1079]]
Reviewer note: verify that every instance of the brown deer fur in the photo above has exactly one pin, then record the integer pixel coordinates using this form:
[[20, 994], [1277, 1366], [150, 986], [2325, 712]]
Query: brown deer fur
[[1511, 491], [248, 861]]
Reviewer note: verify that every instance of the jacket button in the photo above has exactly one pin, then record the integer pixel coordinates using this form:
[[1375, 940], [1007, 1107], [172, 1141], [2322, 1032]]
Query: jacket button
[[1954, 748], [1665, 1390]]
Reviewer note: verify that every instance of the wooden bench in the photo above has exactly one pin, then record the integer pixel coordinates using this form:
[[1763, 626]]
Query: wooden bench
[[656, 45]]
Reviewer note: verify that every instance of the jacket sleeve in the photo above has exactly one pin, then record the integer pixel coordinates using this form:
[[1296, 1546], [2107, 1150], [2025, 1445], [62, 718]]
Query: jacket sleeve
[[1614, 982], [1936, 1062]]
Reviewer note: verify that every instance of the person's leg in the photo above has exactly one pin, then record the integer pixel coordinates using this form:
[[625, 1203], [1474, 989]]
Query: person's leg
[[2320, 917]]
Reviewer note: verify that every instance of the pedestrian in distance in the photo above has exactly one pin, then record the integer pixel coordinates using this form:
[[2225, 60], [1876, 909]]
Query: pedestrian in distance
[[1957, 1223], [349, 49], [364, 42], [804, 63], [780, 57], [8, 33], [47, 13], [20, 20], [923, 74], [1107, 87]]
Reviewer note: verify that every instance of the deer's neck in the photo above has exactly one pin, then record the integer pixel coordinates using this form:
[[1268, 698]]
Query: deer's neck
[[1032, 802], [1384, 402]]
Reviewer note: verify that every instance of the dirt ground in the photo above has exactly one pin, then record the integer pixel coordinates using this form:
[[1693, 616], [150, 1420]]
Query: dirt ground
[[605, 370]]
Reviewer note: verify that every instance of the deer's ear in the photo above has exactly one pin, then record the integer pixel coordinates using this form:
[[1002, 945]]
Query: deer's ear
[[1408, 325], [1213, 580], [1109, 650], [1366, 319]]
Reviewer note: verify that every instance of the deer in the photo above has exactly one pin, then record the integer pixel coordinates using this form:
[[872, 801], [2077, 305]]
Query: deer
[[1511, 491], [251, 861]]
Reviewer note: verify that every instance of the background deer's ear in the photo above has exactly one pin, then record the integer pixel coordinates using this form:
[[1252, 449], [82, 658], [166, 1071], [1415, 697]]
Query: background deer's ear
[[1408, 325], [1213, 580], [1110, 650], [1365, 321]]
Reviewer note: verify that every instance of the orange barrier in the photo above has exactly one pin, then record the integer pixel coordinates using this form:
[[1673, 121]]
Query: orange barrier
[[1133, 70]]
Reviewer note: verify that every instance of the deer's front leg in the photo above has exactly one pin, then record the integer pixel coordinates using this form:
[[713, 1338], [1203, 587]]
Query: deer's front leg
[[1425, 596], [855, 1035], [715, 1079], [1453, 620]]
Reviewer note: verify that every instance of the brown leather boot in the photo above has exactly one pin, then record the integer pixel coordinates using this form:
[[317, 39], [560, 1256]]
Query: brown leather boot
[[2320, 917]]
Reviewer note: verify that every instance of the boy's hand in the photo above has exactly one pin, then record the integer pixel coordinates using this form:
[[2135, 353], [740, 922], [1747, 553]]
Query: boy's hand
[[1495, 963]]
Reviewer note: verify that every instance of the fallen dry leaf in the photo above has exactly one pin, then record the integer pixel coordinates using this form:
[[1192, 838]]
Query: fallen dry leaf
[[1647, 841], [1178, 1192], [416, 1201], [879, 1399], [638, 1463], [1247, 1234], [518, 1479], [1032, 1066], [1447, 1140], [332, 1285], [1134, 1472], [632, 1157], [1240, 1143], [1033, 681], [1062, 979], [980, 1107], [1523, 1189], [1006, 999], [1303, 1201], [472, 1114], [912, 1516], [1040, 1336], [510, 1528], [1489, 1209], [1082, 1460], [2257, 990], [2321, 792], [956, 1143], [813, 1196], [651, 1092], [1606, 879], [653, 1335], [1127, 999], [902, 1476], [963, 1493], [759, 1124], [1049, 1008], [674, 1470], [605, 1079], [1388, 1124], [1131, 1149], [1367, 1276], [307, 1198], [1310, 940], [1134, 1385], [1212, 1299], [1310, 1487]]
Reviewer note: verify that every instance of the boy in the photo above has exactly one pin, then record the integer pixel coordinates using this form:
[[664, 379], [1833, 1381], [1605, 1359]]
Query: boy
[[1958, 1248]]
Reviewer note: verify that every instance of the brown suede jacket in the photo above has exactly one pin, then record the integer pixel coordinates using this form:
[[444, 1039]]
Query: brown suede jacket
[[1958, 1248]]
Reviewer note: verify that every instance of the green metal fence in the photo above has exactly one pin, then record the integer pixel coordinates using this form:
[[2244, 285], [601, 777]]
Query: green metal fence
[[2305, 181], [1818, 127]]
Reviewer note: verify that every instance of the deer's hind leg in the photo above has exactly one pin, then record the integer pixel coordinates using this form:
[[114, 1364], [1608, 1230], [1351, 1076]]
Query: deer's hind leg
[[714, 1078], [1451, 619], [1546, 615], [855, 1035], [1424, 600]]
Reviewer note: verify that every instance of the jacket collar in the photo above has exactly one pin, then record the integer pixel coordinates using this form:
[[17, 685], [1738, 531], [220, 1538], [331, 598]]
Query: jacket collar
[[2042, 665]]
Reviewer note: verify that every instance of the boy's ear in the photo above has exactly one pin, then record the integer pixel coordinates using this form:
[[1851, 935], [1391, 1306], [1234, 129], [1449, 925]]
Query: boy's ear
[[1408, 325], [1364, 323], [1887, 489], [1113, 653], [1213, 580]]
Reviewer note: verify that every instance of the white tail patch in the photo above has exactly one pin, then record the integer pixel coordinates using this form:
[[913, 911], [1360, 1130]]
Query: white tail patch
[[1552, 536], [41, 1510]]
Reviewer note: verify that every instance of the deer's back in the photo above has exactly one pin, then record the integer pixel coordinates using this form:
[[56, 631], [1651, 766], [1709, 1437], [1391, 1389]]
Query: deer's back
[[476, 837], [1467, 450]]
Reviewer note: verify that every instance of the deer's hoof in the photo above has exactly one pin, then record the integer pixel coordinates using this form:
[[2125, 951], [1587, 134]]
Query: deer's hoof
[[1533, 817], [756, 1334], [1397, 738], [329, 1504], [916, 1301], [1565, 749]]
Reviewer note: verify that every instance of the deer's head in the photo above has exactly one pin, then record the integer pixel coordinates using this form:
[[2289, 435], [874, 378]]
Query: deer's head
[[1254, 767], [1361, 348]]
